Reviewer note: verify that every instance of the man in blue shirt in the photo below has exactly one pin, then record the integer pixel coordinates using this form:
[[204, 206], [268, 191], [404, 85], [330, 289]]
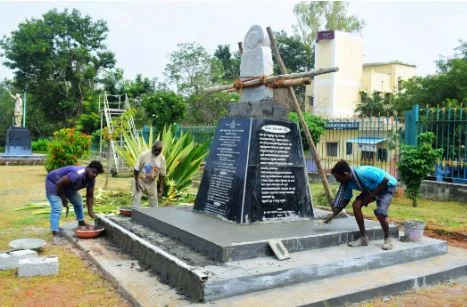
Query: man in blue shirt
[[375, 185], [62, 184]]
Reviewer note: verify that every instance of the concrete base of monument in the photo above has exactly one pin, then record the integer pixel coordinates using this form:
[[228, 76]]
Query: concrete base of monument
[[134, 281], [34, 159], [227, 241], [201, 278]]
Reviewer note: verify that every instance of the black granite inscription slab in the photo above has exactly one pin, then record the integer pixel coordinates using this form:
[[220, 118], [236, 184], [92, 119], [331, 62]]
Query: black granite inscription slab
[[255, 172], [18, 141], [223, 183], [278, 168]]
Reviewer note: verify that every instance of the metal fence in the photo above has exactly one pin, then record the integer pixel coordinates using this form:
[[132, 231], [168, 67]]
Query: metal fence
[[376, 140], [361, 141], [200, 134], [450, 128]]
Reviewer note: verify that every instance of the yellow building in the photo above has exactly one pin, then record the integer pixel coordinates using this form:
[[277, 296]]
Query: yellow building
[[361, 141], [385, 77], [337, 94]]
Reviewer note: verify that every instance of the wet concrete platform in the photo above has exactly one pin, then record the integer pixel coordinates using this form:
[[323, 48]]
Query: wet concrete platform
[[227, 241], [337, 274]]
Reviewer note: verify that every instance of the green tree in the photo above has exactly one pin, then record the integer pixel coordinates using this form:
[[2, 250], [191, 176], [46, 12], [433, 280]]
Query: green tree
[[296, 55], [112, 81], [192, 68], [416, 163], [375, 104], [209, 108], [6, 111], [314, 16], [447, 88], [57, 58], [164, 108], [230, 62], [140, 87], [89, 121]]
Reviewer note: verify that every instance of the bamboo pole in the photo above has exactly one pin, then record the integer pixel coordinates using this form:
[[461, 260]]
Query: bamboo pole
[[301, 119], [265, 79]]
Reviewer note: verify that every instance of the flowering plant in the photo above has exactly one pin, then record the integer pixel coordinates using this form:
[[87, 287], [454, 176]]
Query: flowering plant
[[67, 146]]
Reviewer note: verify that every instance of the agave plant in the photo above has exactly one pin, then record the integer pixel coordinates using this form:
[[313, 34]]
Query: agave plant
[[133, 146], [183, 158]]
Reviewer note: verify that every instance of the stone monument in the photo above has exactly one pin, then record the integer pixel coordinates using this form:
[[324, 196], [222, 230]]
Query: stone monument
[[18, 109], [256, 168], [18, 138]]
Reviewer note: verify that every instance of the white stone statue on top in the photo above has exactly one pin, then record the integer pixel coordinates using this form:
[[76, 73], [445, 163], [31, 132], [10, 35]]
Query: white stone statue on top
[[18, 109], [256, 62]]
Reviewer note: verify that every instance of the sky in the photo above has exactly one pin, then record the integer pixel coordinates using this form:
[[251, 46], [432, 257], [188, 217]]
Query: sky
[[143, 34]]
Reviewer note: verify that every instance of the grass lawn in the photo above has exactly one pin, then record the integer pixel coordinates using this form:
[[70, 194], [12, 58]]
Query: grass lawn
[[77, 283]]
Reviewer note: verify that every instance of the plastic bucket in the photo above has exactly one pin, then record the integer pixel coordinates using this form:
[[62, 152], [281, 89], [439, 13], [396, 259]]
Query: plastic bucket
[[413, 230]]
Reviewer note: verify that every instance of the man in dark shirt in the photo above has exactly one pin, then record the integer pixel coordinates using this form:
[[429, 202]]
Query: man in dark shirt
[[63, 184]]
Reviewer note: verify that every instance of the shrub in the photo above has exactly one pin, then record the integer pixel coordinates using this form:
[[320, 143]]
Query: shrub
[[40, 145], [316, 125], [66, 147], [416, 163], [164, 108]]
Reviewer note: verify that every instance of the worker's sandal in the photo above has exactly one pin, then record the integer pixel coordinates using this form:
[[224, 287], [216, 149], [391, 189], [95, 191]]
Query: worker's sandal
[[362, 241], [387, 244]]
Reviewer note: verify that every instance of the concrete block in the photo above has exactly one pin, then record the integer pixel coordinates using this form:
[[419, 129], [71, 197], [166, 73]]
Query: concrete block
[[38, 266], [11, 260]]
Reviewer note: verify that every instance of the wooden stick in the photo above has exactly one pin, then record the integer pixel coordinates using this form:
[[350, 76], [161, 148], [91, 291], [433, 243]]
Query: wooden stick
[[301, 119], [288, 83], [240, 47], [259, 81]]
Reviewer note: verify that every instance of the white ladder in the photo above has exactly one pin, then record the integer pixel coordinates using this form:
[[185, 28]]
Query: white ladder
[[111, 110]]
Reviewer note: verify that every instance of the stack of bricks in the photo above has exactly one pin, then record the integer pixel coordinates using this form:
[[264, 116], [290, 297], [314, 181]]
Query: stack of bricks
[[29, 263], [10, 260]]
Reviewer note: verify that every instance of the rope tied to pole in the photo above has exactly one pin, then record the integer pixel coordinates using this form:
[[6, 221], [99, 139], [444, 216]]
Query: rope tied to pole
[[239, 84]]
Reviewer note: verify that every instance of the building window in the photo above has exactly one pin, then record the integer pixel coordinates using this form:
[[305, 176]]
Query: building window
[[368, 158], [331, 149], [348, 148], [382, 154]]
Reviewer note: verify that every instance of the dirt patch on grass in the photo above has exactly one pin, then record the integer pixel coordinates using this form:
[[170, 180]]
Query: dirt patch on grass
[[450, 294], [453, 238]]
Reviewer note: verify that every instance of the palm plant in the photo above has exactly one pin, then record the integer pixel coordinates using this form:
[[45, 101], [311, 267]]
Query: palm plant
[[183, 158]]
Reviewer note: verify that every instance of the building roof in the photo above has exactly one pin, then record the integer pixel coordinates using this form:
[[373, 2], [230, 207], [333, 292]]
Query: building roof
[[388, 63]]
